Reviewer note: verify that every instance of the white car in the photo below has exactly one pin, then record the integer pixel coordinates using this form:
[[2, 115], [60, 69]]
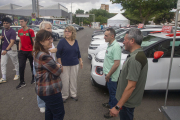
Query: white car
[[98, 45], [101, 36], [16, 28], [59, 31], [157, 68]]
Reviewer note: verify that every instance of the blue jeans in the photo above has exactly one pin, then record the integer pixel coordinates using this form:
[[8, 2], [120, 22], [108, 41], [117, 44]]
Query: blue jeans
[[112, 86], [126, 113], [54, 107], [40, 102]]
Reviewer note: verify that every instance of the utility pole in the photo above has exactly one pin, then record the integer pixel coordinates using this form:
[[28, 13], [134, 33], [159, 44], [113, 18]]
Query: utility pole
[[34, 8], [37, 8], [71, 14]]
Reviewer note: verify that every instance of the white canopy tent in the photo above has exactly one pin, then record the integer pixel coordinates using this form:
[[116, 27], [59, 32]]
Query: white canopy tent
[[117, 20]]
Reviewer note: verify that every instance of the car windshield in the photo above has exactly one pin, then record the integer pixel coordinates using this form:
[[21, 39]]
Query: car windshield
[[120, 35], [145, 33], [147, 41]]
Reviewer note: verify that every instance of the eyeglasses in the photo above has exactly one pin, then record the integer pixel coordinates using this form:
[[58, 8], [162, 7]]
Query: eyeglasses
[[67, 31], [50, 38]]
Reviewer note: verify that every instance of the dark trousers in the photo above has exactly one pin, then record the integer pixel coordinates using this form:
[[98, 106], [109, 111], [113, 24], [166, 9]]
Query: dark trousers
[[112, 86], [126, 113], [23, 56], [54, 107]]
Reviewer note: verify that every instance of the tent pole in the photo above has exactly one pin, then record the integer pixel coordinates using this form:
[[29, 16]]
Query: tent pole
[[172, 54]]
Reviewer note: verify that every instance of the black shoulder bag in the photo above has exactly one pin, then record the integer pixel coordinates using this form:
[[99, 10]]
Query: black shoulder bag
[[30, 37]]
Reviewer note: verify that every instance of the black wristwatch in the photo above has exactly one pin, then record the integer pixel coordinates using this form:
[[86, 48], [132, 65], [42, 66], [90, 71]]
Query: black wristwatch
[[117, 108], [6, 50]]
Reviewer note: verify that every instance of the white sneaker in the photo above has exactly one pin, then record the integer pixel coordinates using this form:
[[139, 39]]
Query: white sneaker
[[42, 110], [2, 80], [16, 77]]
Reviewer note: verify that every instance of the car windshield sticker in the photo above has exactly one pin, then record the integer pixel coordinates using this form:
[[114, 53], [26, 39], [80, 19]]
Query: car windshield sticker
[[147, 43], [177, 43]]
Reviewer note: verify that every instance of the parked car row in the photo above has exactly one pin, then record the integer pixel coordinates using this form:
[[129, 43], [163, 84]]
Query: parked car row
[[151, 44]]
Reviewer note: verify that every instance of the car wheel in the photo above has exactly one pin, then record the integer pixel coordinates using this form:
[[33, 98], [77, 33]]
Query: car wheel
[[55, 38], [93, 83]]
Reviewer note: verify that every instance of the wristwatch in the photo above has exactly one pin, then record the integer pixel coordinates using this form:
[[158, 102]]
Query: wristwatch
[[117, 108]]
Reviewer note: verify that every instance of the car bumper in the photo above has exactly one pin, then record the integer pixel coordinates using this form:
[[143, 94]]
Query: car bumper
[[99, 79], [91, 54]]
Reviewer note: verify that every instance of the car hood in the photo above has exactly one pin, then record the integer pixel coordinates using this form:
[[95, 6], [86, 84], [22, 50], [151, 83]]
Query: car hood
[[103, 42], [98, 42], [101, 55], [99, 36]]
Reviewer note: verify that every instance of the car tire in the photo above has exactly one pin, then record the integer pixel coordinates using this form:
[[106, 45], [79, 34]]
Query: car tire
[[55, 38], [93, 83], [58, 36]]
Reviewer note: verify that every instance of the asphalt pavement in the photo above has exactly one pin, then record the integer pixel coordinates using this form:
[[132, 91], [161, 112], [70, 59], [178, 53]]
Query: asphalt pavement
[[22, 104]]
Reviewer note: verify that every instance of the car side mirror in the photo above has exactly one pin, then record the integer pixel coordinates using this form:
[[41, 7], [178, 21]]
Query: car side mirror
[[157, 55]]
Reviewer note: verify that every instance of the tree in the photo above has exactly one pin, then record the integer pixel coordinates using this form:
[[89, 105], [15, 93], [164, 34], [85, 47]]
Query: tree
[[146, 9], [79, 11], [163, 17]]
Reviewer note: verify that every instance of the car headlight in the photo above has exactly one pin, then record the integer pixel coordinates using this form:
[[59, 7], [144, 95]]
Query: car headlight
[[93, 48], [99, 70], [99, 60]]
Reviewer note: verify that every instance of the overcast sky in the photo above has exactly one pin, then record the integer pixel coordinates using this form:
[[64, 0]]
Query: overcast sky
[[85, 5]]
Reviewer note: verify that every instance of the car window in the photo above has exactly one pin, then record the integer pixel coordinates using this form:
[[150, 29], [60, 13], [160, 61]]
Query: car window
[[120, 38], [166, 47], [176, 48], [145, 33]]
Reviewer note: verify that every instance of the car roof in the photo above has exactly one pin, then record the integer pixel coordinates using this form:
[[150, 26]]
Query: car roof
[[151, 29], [162, 35]]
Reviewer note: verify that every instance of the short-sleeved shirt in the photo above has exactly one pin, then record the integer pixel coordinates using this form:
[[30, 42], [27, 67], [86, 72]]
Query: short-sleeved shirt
[[11, 35], [26, 44], [69, 54], [135, 69], [113, 52]]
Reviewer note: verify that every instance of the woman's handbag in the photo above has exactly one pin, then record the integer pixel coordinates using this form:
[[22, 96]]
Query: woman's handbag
[[14, 47]]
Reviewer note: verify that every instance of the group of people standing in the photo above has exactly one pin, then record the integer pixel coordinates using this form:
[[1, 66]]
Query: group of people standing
[[125, 88], [54, 79]]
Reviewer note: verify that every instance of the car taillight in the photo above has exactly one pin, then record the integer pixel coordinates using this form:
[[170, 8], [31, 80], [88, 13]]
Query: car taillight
[[99, 70]]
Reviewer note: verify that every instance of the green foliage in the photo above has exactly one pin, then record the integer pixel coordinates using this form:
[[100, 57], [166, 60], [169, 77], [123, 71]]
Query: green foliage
[[79, 11], [100, 16], [146, 9], [163, 17]]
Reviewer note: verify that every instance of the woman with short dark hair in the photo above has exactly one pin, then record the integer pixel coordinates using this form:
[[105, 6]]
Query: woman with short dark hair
[[48, 82]]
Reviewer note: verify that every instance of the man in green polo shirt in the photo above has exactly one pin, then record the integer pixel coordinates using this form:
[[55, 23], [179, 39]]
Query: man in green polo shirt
[[133, 76], [111, 67]]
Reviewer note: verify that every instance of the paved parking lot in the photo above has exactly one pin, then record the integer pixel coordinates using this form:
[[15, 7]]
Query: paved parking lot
[[22, 104]]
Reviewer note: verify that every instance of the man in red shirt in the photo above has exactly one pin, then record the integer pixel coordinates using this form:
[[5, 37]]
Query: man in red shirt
[[26, 42]]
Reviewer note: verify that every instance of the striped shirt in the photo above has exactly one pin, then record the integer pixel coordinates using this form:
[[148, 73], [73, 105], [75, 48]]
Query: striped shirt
[[47, 77]]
